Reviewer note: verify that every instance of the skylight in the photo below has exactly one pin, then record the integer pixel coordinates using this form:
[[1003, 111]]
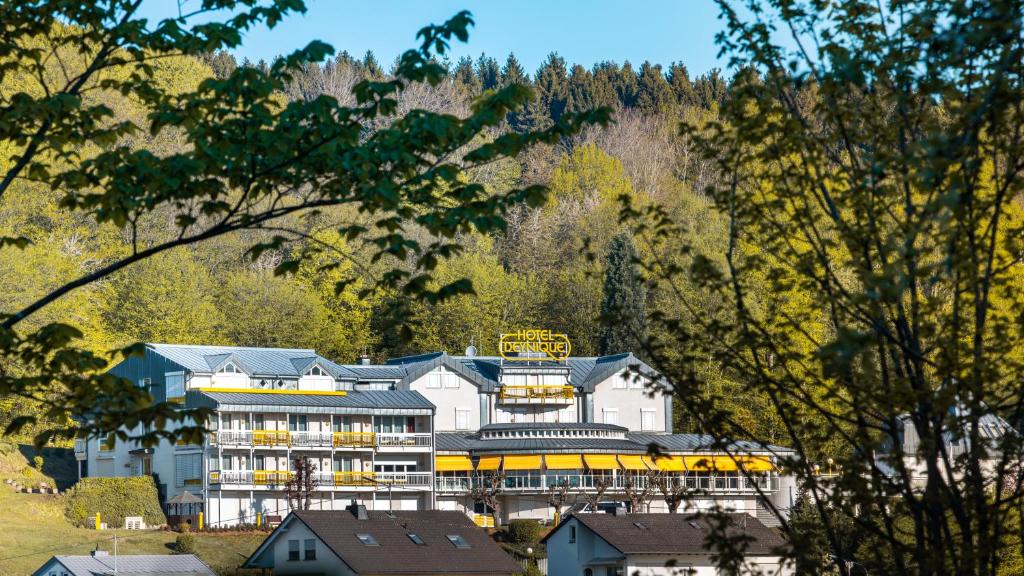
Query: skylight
[[416, 539], [367, 539], [458, 541], [640, 525]]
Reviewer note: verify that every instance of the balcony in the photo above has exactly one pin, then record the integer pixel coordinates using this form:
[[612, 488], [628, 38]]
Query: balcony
[[275, 479], [536, 395], [286, 439], [404, 442], [524, 482]]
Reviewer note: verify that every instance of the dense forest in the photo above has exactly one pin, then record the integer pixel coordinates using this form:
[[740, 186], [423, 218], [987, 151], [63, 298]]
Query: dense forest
[[546, 269]]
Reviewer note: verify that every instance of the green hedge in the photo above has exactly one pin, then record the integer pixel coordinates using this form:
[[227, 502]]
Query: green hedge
[[114, 498], [524, 531]]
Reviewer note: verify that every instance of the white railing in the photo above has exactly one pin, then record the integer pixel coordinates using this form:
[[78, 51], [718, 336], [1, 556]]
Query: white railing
[[232, 437], [325, 480], [403, 440], [537, 482], [312, 439]]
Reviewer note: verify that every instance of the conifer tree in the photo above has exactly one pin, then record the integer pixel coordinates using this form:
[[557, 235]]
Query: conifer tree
[[710, 89], [465, 76], [553, 86], [625, 83], [679, 80], [623, 307], [653, 92], [513, 72], [371, 68], [488, 72]]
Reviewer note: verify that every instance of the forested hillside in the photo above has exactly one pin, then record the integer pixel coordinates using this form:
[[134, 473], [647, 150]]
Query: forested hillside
[[547, 269]]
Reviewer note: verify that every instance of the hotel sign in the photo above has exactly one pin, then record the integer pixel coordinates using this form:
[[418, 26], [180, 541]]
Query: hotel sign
[[526, 345]]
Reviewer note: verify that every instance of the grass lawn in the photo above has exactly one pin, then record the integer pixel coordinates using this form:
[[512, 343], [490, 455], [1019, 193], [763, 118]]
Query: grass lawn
[[33, 528]]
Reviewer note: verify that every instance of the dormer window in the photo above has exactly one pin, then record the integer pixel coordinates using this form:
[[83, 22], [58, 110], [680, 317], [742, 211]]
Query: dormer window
[[229, 368], [316, 371]]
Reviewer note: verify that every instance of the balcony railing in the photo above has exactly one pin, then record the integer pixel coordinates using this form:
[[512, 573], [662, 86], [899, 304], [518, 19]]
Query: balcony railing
[[326, 480], [284, 438], [536, 394], [403, 440], [536, 482]]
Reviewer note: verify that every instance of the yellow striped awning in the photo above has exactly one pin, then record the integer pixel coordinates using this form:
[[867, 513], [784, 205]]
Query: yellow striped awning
[[671, 464], [563, 461], [634, 462], [522, 462], [453, 464], [489, 463], [757, 464], [710, 463], [601, 461]]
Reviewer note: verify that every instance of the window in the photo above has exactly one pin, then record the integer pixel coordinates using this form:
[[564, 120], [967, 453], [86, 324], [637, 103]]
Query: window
[[298, 422], [343, 465], [367, 540], [258, 422], [316, 371], [188, 469], [229, 368], [611, 416], [416, 539], [572, 534], [458, 541], [293, 550], [309, 547], [433, 380], [259, 462], [174, 383], [394, 424], [619, 382], [450, 380], [343, 424], [461, 419], [647, 419], [636, 382]]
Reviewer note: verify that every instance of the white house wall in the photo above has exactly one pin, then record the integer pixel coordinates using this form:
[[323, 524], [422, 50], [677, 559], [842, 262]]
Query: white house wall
[[326, 562], [628, 399], [455, 393]]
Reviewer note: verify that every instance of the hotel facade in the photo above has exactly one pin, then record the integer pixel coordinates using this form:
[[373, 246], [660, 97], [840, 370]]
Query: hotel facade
[[427, 432]]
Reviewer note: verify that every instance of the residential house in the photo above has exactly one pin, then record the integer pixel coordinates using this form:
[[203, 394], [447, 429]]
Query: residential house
[[356, 541], [620, 544], [101, 563]]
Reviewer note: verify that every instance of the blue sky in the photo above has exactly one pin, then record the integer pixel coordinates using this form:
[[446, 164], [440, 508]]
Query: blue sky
[[584, 32]]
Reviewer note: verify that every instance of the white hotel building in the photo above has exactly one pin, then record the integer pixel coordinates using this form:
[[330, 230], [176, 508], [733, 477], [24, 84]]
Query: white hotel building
[[418, 432]]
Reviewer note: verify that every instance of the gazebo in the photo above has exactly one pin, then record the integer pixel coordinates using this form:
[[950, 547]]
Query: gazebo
[[184, 508]]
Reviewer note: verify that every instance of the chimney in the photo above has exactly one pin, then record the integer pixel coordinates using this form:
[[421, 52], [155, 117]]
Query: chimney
[[358, 510], [619, 511]]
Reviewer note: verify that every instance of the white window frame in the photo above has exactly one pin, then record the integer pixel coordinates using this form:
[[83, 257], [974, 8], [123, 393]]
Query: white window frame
[[462, 411], [434, 380], [607, 411], [635, 381], [619, 382], [654, 419], [168, 376]]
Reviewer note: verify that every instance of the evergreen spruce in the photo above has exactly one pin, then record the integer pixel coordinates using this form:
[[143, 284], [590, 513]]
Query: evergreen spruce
[[553, 86], [654, 94], [624, 304], [679, 80], [513, 72], [488, 72], [465, 76]]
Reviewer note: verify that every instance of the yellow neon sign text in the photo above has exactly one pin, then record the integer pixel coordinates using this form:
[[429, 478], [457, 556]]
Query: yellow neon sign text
[[526, 345]]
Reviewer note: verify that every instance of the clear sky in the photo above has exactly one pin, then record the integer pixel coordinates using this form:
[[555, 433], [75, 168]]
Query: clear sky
[[581, 31]]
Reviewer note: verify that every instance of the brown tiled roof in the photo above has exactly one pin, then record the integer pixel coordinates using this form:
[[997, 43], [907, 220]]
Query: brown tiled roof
[[676, 533], [397, 553]]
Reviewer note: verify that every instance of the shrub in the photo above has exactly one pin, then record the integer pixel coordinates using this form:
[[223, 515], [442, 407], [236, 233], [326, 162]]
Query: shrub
[[38, 462], [533, 570], [114, 498], [524, 531], [185, 543]]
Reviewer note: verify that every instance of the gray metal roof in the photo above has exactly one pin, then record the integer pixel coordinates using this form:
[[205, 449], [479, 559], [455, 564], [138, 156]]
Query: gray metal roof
[[359, 402], [634, 444], [258, 361], [138, 565]]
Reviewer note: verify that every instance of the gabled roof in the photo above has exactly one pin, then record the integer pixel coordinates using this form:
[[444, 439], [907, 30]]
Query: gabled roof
[[135, 565], [255, 361], [482, 372], [396, 552], [382, 401], [675, 534]]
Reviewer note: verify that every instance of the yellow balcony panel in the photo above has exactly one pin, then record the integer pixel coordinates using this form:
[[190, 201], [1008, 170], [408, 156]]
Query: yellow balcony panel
[[354, 479], [270, 477], [270, 437], [354, 439], [536, 393]]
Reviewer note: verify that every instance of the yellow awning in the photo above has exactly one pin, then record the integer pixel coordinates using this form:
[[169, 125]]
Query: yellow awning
[[670, 464], [634, 462], [563, 461], [522, 462], [710, 463], [601, 461], [453, 464], [489, 463], [757, 464]]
